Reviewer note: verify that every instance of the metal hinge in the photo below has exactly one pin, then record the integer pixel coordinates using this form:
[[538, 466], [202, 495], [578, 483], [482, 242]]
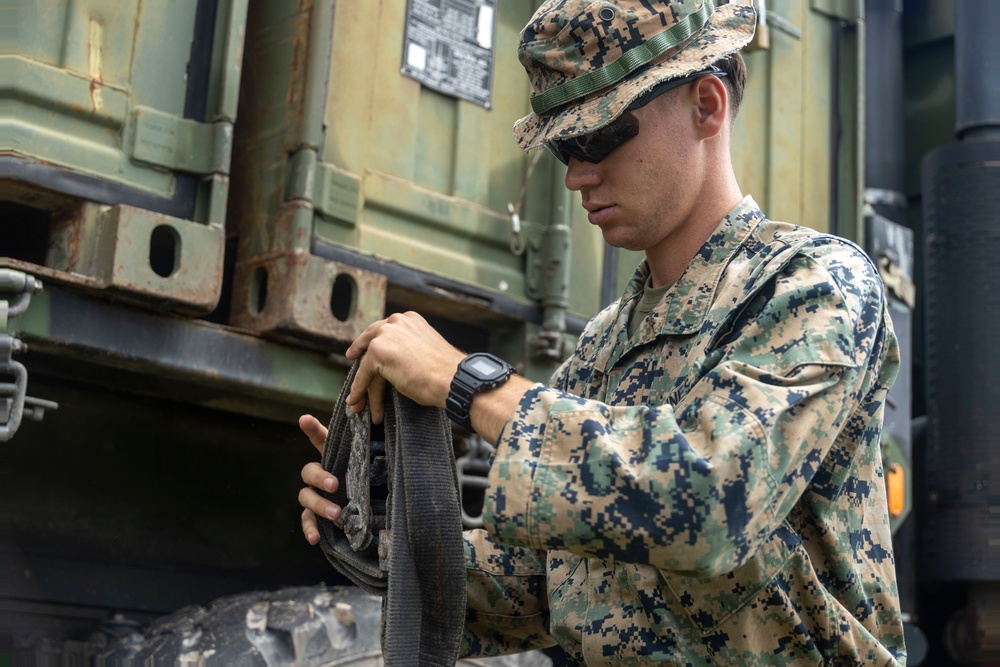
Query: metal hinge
[[16, 290], [181, 144]]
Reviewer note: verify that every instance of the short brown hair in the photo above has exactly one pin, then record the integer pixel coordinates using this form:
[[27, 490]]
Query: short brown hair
[[736, 78]]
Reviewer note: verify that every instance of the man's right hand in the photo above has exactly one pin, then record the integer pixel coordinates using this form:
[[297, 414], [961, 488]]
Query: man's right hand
[[315, 478]]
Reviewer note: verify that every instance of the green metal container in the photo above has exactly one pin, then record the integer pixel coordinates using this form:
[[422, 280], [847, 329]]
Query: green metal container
[[120, 109], [348, 170]]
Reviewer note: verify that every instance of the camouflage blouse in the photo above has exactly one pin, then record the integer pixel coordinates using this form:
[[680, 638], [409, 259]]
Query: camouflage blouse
[[709, 492]]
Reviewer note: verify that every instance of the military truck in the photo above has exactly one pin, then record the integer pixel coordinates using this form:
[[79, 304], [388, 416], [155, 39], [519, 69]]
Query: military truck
[[205, 201]]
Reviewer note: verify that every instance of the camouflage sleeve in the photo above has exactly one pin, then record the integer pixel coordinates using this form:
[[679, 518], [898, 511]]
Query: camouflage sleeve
[[695, 487], [507, 610]]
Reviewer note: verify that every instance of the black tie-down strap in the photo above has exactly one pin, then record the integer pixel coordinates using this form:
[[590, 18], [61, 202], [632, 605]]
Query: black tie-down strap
[[399, 534]]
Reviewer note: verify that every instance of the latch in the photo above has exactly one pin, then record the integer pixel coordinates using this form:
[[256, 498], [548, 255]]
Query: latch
[[767, 19], [16, 290]]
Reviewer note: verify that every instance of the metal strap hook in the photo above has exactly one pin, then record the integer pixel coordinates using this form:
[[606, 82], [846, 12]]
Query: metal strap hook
[[517, 245]]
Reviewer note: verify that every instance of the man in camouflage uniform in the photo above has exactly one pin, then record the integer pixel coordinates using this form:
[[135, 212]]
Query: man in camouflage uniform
[[701, 482]]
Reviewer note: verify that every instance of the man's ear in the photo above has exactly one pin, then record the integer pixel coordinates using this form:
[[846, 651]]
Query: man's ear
[[711, 98]]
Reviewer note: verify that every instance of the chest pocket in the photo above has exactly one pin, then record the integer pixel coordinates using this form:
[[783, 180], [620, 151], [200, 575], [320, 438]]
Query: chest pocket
[[710, 601]]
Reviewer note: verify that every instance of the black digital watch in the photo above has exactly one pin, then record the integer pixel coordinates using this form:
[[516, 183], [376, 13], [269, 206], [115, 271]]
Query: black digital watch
[[478, 372]]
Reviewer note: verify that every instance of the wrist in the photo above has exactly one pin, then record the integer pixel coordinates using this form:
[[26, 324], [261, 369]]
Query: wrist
[[491, 410]]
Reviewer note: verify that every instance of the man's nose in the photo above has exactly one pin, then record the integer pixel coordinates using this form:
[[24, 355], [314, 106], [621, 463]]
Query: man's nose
[[581, 175]]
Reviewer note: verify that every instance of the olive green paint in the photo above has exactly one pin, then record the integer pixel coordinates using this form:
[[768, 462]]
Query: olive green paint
[[99, 86]]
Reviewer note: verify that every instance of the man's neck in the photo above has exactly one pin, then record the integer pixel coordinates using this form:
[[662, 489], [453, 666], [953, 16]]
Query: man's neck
[[669, 259]]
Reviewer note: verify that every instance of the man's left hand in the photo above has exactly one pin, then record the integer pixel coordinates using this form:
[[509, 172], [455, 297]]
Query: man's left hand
[[405, 351]]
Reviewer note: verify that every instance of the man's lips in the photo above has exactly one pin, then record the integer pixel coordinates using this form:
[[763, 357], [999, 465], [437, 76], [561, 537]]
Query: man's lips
[[599, 213]]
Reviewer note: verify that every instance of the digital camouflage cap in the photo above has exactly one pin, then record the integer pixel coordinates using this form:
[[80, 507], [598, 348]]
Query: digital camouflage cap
[[588, 60]]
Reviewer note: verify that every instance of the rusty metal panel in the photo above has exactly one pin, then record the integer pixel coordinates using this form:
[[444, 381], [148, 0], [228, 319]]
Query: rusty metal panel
[[301, 294], [389, 169], [404, 174], [149, 257], [436, 173]]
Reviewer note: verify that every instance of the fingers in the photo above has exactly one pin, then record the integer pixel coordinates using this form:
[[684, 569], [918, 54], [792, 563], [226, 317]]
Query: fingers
[[405, 351], [312, 502], [310, 528], [317, 504], [360, 344], [375, 400], [368, 388], [315, 476], [314, 430]]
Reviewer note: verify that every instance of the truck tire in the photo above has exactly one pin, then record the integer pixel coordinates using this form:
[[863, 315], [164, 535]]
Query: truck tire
[[310, 626]]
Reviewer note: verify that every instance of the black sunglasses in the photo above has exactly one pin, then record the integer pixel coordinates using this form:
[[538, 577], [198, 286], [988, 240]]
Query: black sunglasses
[[599, 144]]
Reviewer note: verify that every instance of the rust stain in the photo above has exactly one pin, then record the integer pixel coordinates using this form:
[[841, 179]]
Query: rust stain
[[300, 55]]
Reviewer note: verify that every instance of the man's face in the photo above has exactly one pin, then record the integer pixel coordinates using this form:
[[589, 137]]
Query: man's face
[[641, 194]]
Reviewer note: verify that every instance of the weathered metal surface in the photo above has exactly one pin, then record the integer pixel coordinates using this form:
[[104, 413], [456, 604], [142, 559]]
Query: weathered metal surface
[[438, 169], [404, 175], [301, 294], [73, 336], [781, 142], [337, 194], [144, 255], [99, 97], [76, 68], [850, 10]]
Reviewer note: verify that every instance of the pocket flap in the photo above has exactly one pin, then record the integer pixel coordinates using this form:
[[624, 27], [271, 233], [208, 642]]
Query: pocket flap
[[709, 601]]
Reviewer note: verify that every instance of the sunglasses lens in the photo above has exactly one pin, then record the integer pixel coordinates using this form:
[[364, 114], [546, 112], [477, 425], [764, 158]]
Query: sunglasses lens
[[598, 145], [601, 143], [555, 148]]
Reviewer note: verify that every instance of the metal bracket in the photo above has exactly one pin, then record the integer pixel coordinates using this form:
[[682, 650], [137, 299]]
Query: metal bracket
[[780, 23], [14, 403], [472, 470], [180, 144], [850, 10]]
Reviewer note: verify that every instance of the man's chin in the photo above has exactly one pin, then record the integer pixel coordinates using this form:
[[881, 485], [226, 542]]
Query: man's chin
[[618, 240]]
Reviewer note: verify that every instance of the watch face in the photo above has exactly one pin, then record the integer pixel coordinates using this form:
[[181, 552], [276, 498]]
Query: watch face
[[484, 367]]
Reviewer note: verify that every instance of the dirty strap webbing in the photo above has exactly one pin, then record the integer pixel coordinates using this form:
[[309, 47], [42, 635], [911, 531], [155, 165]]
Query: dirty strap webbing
[[403, 542]]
